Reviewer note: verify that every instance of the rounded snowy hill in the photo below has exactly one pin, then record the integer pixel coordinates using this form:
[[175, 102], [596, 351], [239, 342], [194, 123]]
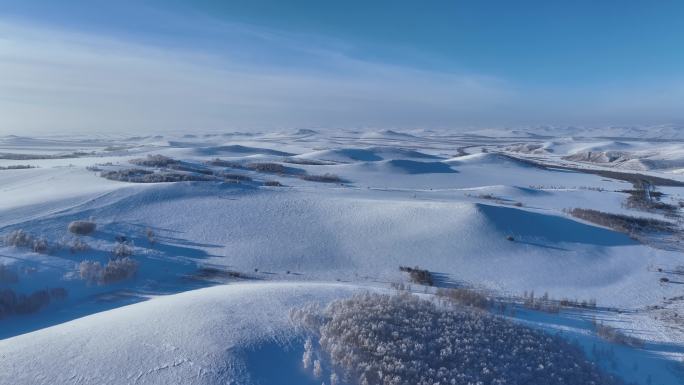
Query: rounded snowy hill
[[197, 337]]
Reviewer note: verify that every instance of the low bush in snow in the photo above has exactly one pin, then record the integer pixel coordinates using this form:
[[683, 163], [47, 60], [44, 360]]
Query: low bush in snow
[[114, 271], [543, 303], [402, 339], [325, 178], [119, 269], [17, 167], [154, 161], [642, 197], [166, 177], [224, 163], [81, 227], [273, 168], [78, 246], [187, 167], [232, 177], [464, 296], [126, 175], [20, 238], [623, 223], [134, 175], [122, 250], [309, 162], [612, 334], [90, 271], [418, 275], [273, 183], [151, 236]]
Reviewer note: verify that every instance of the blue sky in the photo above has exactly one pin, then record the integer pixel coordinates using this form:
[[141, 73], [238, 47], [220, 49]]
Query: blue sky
[[267, 64]]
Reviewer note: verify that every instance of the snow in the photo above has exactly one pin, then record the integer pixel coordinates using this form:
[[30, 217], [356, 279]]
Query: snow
[[196, 337], [420, 198]]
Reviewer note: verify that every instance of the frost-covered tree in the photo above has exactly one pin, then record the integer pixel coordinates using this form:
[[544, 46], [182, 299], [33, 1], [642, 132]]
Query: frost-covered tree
[[308, 350], [317, 369], [401, 339]]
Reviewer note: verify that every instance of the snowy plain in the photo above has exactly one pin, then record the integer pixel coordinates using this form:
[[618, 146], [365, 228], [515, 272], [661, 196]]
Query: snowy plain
[[221, 260]]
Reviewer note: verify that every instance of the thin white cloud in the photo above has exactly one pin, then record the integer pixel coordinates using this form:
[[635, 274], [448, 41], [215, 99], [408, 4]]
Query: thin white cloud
[[56, 81]]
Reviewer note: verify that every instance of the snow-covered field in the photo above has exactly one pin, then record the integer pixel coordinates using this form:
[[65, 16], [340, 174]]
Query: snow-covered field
[[233, 230]]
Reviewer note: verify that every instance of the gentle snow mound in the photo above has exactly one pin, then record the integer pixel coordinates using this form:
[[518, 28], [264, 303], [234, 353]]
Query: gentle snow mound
[[194, 337]]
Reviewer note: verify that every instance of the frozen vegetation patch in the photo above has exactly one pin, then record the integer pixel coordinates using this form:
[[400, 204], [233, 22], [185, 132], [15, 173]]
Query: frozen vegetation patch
[[325, 178], [612, 334], [135, 175], [154, 161], [418, 275], [75, 154], [308, 162], [81, 227], [17, 167], [464, 297], [22, 239], [623, 223], [114, 271], [402, 339]]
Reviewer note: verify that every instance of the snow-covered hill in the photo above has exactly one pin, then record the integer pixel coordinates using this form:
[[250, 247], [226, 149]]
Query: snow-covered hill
[[284, 218]]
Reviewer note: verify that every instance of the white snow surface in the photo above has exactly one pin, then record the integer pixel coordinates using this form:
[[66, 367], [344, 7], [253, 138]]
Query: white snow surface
[[445, 202], [196, 337]]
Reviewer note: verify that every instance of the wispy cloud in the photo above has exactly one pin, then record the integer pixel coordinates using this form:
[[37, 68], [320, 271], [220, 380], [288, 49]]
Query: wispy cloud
[[56, 80]]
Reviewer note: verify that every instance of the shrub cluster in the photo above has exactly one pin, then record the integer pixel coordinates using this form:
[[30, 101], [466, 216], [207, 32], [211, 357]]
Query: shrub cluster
[[551, 305], [14, 156], [641, 198], [224, 163], [151, 236], [122, 250], [17, 167], [325, 178], [78, 246], [20, 238], [13, 303], [308, 162], [154, 161], [180, 166], [464, 296], [614, 335], [272, 168], [228, 176], [623, 223], [114, 271], [418, 275], [136, 175], [81, 227], [402, 339]]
